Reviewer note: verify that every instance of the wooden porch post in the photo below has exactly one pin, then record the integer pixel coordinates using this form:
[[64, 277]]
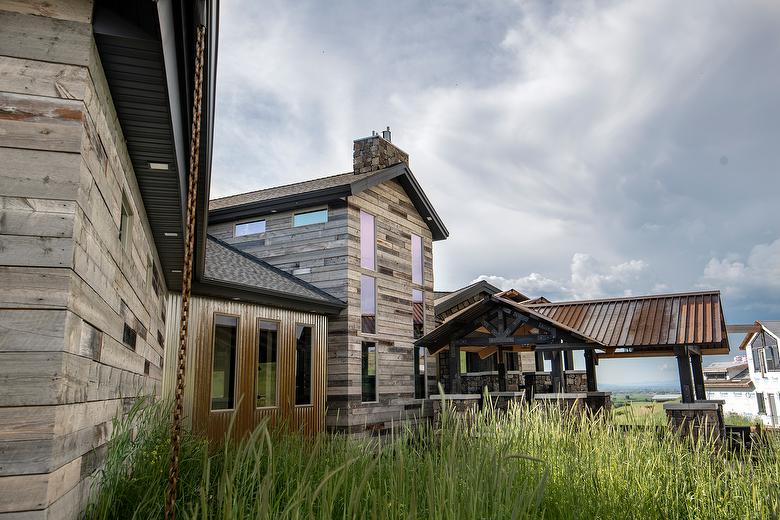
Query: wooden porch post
[[568, 360], [698, 377], [684, 370], [501, 353], [590, 370], [454, 369], [558, 383], [539, 359]]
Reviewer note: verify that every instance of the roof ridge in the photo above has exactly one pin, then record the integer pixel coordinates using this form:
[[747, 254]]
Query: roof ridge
[[623, 298], [279, 186], [275, 269]]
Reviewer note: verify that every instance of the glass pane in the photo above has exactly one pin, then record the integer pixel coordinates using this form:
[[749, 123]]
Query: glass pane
[[417, 260], [302, 365], [224, 368], [310, 217], [250, 228], [418, 313], [369, 372], [266, 364], [367, 241], [368, 304], [419, 372]]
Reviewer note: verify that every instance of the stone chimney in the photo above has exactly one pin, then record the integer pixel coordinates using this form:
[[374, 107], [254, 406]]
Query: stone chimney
[[376, 152]]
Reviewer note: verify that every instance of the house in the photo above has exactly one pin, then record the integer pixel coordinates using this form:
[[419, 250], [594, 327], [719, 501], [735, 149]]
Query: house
[[364, 237], [730, 382], [763, 360], [94, 138]]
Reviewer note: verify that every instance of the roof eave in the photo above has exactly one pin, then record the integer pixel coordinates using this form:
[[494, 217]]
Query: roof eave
[[238, 292]]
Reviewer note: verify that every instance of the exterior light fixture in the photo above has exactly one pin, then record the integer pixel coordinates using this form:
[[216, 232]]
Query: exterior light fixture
[[158, 165], [171, 235]]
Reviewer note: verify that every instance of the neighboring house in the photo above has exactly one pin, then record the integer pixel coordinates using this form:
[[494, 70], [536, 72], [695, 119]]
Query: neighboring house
[[91, 211], [364, 237], [763, 358], [730, 381]]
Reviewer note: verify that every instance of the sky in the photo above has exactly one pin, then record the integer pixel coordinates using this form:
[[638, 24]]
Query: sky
[[573, 150]]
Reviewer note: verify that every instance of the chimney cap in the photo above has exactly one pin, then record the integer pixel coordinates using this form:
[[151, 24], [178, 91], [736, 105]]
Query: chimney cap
[[386, 135]]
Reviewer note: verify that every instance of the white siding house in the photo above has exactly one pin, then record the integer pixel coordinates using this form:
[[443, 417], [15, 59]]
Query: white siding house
[[730, 381], [763, 358]]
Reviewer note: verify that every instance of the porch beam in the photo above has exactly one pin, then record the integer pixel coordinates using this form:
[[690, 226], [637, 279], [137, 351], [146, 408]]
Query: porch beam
[[510, 340], [454, 369], [684, 372]]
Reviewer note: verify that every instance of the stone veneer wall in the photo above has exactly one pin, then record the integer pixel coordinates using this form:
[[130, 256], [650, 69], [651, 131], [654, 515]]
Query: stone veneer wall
[[576, 381], [374, 153], [69, 286]]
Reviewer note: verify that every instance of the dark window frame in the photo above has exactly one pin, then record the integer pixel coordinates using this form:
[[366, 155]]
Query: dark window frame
[[364, 346], [236, 225], [310, 363], [761, 403], [420, 383], [278, 324], [368, 321], [418, 309], [308, 212], [234, 368]]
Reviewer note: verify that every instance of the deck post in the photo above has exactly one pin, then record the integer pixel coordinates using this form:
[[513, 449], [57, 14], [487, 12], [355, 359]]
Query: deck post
[[558, 383], [568, 360], [698, 377], [539, 360], [501, 369], [590, 370], [684, 370], [454, 369]]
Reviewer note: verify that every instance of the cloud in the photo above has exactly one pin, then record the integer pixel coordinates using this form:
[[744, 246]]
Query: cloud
[[753, 282], [588, 278]]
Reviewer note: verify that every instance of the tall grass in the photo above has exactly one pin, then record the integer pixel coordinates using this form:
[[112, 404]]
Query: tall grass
[[527, 463]]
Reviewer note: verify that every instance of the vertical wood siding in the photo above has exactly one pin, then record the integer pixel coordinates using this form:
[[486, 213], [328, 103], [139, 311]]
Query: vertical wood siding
[[215, 424]]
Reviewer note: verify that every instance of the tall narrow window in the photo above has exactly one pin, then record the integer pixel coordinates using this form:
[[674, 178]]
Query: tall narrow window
[[419, 372], [418, 313], [368, 362], [417, 260], [265, 386], [302, 364], [223, 372], [761, 404], [367, 241], [125, 222], [368, 304]]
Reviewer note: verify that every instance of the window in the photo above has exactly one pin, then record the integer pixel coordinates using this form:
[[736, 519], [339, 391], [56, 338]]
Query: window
[[265, 386], [417, 260], [709, 376], [249, 228], [368, 304], [510, 361], [367, 241], [471, 362], [223, 372], [771, 357], [758, 364], [302, 364], [129, 336], [761, 404], [310, 217], [419, 372], [368, 363], [418, 313], [125, 222]]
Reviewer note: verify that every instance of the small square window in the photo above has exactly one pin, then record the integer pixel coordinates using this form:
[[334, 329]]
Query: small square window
[[249, 228], [319, 216]]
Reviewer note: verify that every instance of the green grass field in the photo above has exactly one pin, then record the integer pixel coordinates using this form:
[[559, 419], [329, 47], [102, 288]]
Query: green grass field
[[524, 464]]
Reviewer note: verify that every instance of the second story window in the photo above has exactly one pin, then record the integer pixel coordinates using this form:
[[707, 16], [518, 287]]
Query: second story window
[[305, 218], [417, 260], [125, 223], [249, 228], [367, 241], [418, 313], [368, 304]]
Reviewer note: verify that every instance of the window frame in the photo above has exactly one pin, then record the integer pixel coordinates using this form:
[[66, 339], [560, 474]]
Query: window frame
[[306, 212], [213, 354], [414, 236], [376, 371], [422, 304], [373, 245], [761, 403], [416, 361], [125, 217], [278, 349], [376, 307], [311, 367], [249, 221]]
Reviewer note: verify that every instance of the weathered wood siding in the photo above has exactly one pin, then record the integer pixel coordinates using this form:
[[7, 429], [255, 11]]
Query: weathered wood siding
[[197, 400], [69, 286]]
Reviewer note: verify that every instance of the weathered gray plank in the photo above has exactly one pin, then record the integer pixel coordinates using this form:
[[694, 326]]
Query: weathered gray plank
[[36, 217], [42, 78], [75, 10], [40, 123], [46, 39], [36, 251], [39, 174], [30, 287], [32, 330]]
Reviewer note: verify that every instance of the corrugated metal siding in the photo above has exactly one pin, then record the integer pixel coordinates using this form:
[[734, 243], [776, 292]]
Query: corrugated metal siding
[[649, 321], [197, 401]]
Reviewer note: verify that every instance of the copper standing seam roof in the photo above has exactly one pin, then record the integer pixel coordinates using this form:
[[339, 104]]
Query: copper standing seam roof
[[646, 321]]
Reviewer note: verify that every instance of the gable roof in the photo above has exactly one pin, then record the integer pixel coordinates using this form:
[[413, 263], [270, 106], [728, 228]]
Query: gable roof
[[771, 326], [323, 190], [230, 267], [451, 299], [662, 320]]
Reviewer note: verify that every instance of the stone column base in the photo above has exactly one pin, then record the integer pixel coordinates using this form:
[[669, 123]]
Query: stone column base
[[501, 400], [457, 403], [578, 402], [701, 419]]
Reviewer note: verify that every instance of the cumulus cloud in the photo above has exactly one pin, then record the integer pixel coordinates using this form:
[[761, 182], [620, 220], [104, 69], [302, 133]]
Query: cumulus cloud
[[588, 278]]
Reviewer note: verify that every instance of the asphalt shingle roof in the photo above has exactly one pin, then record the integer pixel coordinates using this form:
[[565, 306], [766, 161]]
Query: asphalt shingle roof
[[225, 263], [341, 179]]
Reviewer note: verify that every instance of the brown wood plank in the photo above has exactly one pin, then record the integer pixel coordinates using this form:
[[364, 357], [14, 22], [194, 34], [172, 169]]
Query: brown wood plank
[[700, 319], [682, 326], [663, 338], [674, 319], [658, 322], [623, 337]]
